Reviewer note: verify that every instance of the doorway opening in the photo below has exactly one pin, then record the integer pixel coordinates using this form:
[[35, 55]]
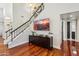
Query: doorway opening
[[70, 32]]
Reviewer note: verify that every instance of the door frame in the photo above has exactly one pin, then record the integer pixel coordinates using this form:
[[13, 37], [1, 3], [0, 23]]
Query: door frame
[[66, 29]]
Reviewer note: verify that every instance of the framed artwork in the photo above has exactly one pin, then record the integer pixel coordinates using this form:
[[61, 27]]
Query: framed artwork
[[42, 24]]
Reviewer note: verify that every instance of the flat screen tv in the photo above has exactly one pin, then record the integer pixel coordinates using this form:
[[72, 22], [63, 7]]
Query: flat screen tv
[[42, 24]]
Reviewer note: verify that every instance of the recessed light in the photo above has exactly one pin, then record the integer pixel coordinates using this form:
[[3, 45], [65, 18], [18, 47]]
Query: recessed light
[[71, 15]]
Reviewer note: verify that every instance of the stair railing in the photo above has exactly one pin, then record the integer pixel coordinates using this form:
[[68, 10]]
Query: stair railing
[[8, 33], [14, 33]]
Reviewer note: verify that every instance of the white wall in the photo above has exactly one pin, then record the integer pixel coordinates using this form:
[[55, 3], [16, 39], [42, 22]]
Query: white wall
[[8, 9], [64, 30], [53, 11], [21, 13], [7, 12], [1, 29], [1, 20], [78, 30], [20, 39]]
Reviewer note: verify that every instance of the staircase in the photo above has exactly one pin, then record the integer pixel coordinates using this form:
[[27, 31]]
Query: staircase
[[11, 34]]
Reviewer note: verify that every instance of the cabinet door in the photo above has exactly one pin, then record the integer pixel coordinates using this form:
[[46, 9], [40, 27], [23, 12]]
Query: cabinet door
[[45, 42]]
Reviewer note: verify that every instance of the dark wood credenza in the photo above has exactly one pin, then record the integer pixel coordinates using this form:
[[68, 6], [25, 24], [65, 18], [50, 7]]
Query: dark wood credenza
[[46, 42]]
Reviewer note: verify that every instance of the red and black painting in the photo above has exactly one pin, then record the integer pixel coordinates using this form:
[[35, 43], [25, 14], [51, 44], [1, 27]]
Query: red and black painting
[[42, 24]]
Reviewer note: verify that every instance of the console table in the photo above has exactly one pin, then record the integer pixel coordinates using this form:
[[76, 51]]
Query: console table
[[46, 42]]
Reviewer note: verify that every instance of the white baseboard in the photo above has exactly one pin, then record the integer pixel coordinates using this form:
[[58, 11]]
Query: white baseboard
[[57, 47], [15, 45]]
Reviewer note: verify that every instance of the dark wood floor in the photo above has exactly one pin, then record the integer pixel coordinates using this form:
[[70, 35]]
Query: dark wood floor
[[68, 48], [2, 47], [33, 50]]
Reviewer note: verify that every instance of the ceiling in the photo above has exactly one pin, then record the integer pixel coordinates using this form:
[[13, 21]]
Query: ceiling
[[69, 16]]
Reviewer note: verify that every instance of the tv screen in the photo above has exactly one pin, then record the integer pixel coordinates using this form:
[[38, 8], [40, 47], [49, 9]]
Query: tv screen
[[42, 24]]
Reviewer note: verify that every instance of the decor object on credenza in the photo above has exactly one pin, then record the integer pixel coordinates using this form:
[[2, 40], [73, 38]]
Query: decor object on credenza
[[50, 33], [33, 32], [41, 35], [42, 24]]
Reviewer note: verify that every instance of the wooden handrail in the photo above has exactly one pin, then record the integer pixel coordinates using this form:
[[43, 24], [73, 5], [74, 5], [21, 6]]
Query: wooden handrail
[[14, 33], [28, 20], [8, 30]]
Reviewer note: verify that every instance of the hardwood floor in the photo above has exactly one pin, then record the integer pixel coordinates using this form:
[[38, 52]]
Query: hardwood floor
[[67, 48], [34, 50], [2, 47]]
